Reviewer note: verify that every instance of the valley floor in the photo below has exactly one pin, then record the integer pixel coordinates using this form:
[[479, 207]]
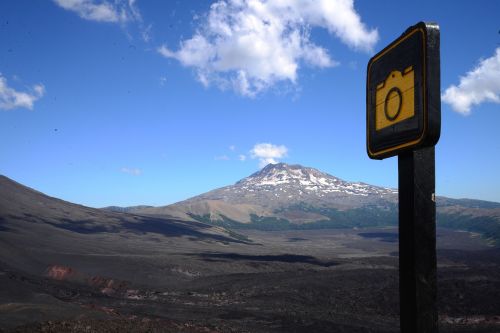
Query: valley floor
[[289, 281]]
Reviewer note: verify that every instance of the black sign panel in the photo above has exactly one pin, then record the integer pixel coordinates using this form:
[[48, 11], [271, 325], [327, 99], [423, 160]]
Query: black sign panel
[[403, 103]]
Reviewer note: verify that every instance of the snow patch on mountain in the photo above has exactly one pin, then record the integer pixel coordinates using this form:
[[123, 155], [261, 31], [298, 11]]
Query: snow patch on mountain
[[296, 179]]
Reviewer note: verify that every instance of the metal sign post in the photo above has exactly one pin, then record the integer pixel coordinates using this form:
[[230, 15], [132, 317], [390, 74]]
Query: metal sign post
[[403, 117]]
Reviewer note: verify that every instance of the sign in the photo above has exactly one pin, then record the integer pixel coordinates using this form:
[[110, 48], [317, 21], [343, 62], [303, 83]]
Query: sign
[[403, 104], [403, 117]]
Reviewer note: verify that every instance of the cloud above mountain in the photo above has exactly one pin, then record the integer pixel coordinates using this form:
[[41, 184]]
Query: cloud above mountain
[[268, 153], [251, 45]]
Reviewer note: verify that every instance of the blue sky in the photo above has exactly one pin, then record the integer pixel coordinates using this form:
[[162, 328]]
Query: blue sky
[[151, 102]]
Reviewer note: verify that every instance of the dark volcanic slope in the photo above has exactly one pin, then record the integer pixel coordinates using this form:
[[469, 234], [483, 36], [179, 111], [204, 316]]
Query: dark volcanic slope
[[32, 223], [20, 205]]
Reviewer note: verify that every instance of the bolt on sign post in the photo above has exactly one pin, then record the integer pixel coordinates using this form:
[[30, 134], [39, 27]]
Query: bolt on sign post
[[403, 118]]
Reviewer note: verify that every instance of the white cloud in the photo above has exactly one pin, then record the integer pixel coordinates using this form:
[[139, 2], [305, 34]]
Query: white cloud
[[222, 158], [12, 99], [251, 45], [118, 11], [132, 171], [242, 157], [268, 153], [232, 147], [482, 84]]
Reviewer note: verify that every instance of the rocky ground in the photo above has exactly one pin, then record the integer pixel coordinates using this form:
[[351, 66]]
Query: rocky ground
[[272, 292]]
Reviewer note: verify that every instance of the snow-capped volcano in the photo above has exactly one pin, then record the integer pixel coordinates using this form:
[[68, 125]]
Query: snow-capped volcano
[[292, 192], [279, 177], [282, 196]]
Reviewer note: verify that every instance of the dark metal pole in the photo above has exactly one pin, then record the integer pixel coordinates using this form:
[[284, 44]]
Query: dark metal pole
[[417, 242]]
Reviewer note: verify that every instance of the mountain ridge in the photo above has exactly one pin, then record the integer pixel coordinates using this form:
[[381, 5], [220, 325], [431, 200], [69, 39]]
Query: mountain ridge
[[279, 196]]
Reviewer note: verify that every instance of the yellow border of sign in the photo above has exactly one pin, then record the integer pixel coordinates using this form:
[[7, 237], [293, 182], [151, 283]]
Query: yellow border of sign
[[383, 52]]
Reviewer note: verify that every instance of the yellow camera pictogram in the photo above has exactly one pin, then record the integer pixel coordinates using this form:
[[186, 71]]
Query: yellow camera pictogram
[[395, 98]]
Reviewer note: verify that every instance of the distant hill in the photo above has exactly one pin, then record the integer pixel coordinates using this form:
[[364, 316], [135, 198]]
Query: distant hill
[[128, 209], [282, 196]]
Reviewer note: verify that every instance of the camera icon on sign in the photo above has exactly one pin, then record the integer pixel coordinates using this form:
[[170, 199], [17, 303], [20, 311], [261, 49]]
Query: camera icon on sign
[[395, 98]]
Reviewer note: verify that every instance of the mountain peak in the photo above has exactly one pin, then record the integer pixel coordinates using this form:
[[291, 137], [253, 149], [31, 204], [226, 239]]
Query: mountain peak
[[282, 174], [280, 166]]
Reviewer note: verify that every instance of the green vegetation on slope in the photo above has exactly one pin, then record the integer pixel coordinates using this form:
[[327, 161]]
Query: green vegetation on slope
[[362, 217], [370, 216], [488, 227]]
